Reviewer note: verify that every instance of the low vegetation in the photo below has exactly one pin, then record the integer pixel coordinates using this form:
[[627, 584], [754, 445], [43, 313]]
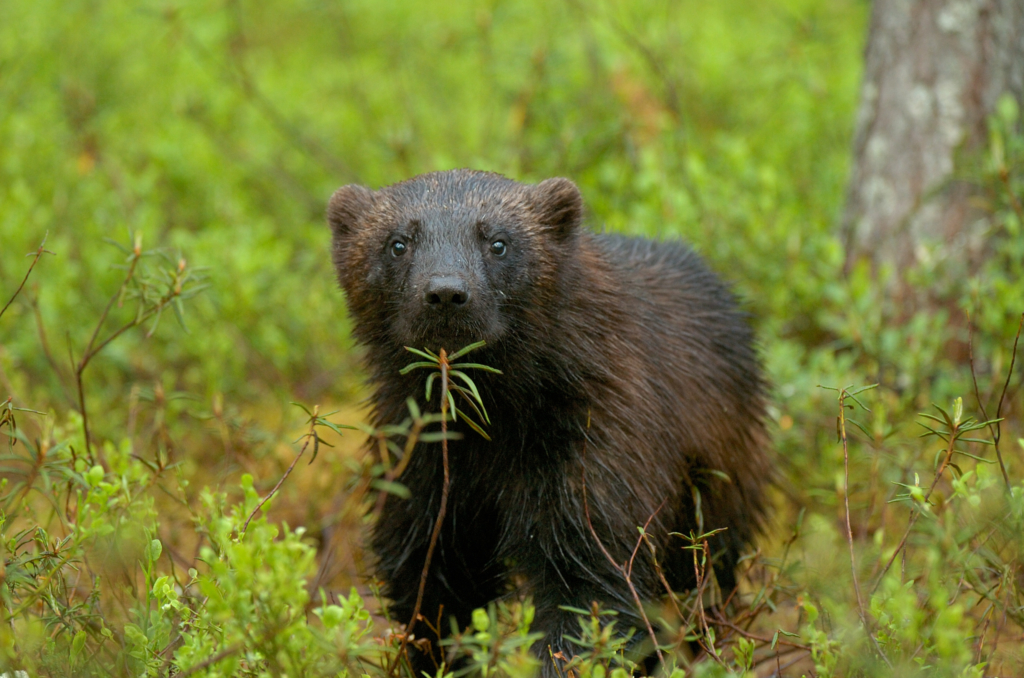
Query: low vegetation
[[165, 510]]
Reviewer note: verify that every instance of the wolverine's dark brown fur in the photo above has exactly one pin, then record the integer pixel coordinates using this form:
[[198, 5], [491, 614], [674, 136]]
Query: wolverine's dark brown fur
[[636, 337]]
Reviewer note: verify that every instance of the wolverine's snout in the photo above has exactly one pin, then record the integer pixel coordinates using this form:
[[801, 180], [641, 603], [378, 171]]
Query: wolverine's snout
[[446, 292]]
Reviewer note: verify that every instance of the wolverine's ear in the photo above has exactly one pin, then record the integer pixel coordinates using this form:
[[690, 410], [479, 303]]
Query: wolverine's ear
[[559, 205], [347, 207]]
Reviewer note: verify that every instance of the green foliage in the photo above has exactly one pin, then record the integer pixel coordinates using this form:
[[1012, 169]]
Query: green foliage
[[220, 130], [244, 610], [143, 505], [254, 611], [497, 642], [447, 372]]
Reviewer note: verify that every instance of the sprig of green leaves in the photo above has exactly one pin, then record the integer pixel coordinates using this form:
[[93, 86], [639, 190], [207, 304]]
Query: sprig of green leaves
[[467, 389]]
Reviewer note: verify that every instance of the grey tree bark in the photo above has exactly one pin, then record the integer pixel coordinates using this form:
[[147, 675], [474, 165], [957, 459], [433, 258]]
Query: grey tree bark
[[934, 70]]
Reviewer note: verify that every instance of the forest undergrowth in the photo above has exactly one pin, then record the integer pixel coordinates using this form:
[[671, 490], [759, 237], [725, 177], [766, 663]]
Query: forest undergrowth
[[185, 481]]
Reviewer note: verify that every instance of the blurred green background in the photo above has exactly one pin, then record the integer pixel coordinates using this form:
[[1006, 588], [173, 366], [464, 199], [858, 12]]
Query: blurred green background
[[219, 130]]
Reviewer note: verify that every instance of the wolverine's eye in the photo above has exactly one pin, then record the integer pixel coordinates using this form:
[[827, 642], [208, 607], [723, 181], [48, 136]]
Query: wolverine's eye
[[498, 248], [398, 248]]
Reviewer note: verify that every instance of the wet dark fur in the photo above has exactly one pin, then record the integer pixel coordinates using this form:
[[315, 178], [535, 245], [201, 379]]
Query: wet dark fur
[[637, 336]]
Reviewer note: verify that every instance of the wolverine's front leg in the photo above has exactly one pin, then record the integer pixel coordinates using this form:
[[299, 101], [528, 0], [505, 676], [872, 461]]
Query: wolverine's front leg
[[458, 580]]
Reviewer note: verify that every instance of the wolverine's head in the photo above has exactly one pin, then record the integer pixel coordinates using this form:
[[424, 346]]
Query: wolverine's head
[[447, 258]]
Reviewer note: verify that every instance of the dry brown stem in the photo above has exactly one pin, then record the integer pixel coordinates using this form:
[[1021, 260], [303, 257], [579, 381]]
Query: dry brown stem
[[994, 424], [443, 363], [310, 435], [626, 570], [38, 253]]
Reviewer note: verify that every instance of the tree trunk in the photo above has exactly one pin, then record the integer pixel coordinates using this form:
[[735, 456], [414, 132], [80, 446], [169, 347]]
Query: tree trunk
[[934, 70]]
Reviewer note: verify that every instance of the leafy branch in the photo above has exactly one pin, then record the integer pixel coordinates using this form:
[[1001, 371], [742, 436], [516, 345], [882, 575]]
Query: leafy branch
[[467, 390], [841, 420], [36, 255], [445, 370], [392, 469], [7, 408], [154, 294], [995, 428], [956, 427], [315, 419], [7, 420]]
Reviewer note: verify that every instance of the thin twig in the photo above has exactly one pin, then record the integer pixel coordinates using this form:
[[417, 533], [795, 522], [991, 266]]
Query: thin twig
[[864, 618], [643, 534], [1002, 396], [223, 654], [136, 255], [846, 504], [90, 351], [994, 425], [622, 569], [311, 435], [779, 666], [93, 348], [1004, 175], [753, 636], [629, 577], [443, 364], [673, 598], [39, 252], [701, 575], [915, 514]]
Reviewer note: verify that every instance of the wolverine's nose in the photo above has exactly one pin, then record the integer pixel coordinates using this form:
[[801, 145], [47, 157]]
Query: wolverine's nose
[[446, 290]]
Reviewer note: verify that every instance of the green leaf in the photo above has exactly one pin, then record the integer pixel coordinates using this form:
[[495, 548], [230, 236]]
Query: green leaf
[[416, 366], [425, 353], [451, 406], [860, 426], [430, 384], [466, 349], [391, 487], [476, 366], [302, 407], [77, 643], [320, 421], [975, 457], [476, 405], [481, 620], [945, 414], [469, 382], [438, 436], [854, 398], [476, 427], [179, 313], [721, 475]]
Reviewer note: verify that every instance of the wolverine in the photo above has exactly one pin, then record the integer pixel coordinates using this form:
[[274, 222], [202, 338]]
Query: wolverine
[[631, 391]]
